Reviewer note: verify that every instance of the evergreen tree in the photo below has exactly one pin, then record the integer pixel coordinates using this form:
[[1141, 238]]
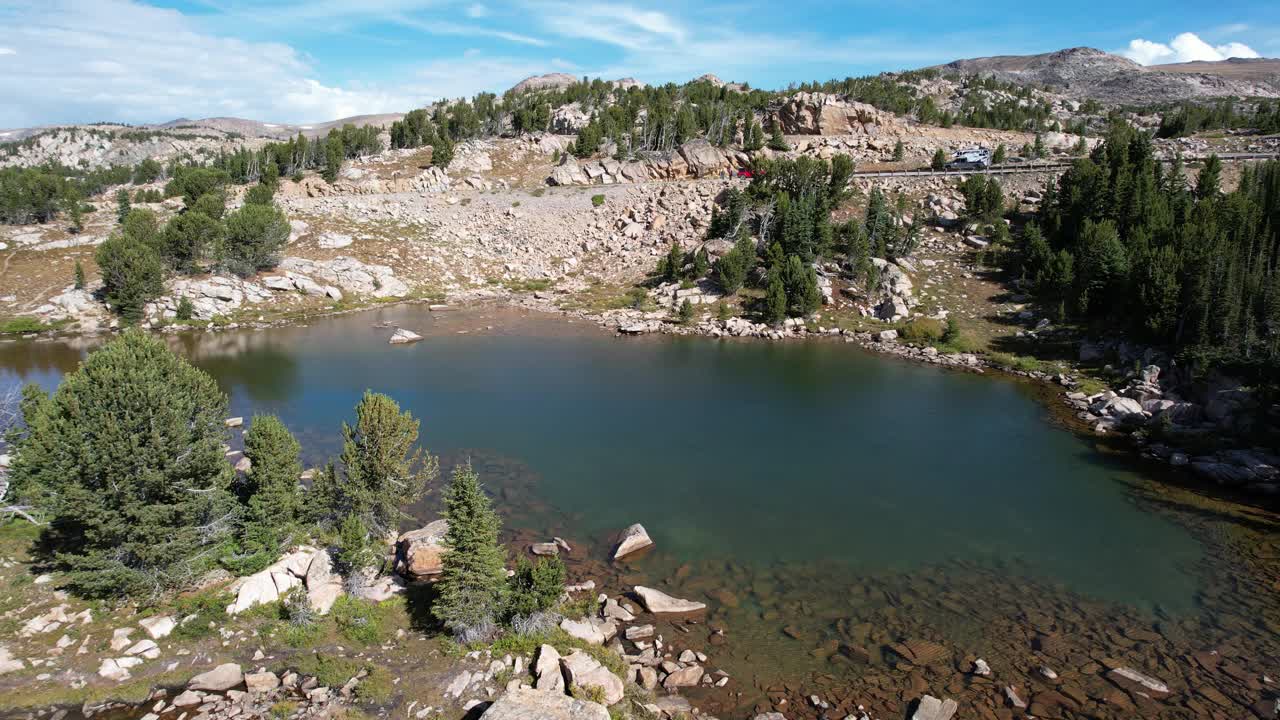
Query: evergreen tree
[[254, 236], [381, 470], [686, 312], [129, 450], [270, 494], [189, 238], [1038, 149], [755, 137], [442, 151], [473, 581], [132, 274], [79, 276], [122, 205], [1208, 183], [212, 204], [775, 298], [701, 263], [142, 225], [672, 264], [939, 160], [899, 151], [1000, 155], [535, 586], [333, 157], [776, 140]]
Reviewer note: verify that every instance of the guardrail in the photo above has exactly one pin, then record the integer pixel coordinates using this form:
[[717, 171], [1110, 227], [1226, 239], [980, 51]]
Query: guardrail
[[1039, 167]]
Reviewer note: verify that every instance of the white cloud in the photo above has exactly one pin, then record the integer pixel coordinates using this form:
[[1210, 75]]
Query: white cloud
[[8, 51], [89, 60], [1186, 47], [477, 11]]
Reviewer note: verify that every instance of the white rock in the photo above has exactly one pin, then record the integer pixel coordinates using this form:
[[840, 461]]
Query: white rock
[[656, 601], [159, 626], [633, 538], [403, 337]]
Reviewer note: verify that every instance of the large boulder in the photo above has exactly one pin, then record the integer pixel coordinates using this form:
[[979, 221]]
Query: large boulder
[[546, 670], [633, 539], [586, 672], [220, 679], [420, 553], [527, 704], [656, 601], [704, 159], [931, 708]]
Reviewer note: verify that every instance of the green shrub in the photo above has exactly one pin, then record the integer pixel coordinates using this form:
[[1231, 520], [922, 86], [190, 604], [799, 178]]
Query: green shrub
[[207, 610], [535, 586], [358, 620], [186, 310], [921, 330], [597, 200]]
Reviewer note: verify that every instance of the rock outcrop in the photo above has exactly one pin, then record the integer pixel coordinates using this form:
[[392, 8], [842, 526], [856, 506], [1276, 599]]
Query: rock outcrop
[[825, 114]]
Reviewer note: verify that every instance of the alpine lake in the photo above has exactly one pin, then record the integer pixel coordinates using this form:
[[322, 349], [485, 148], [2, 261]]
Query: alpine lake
[[862, 528]]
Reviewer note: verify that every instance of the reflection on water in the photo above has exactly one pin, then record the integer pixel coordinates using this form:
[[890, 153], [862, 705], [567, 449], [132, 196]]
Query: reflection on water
[[829, 504]]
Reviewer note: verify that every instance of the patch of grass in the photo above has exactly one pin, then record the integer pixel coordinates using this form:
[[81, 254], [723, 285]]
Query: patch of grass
[[538, 192], [328, 670], [531, 285], [465, 201], [22, 325], [283, 709], [593, 694], [206, 610], [376, 687], [597, 200], [1091, 386], [303, 636], [358, 620], [1020, 363]]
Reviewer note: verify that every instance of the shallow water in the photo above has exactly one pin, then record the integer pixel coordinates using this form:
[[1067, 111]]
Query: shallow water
[[816, 483]]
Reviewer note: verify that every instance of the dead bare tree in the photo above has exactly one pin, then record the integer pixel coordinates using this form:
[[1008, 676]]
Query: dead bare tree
[[10, 418]]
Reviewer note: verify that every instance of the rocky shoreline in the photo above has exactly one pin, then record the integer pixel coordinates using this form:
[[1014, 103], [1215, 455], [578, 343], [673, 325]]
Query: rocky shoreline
[[1131, 411]]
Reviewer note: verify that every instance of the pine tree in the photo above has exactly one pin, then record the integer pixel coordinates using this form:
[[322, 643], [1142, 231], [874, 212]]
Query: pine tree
[[1038, 149], [775, 298], [254, 236], [899, 151], [132, 275], [129, 449], [270, 494], [1209, 181], [381, 469], [122, 205], [673, 263], [939, 160], [442, 151], [686, 312], [1000, 155], [79, 276], [776, 140], [473, 582]]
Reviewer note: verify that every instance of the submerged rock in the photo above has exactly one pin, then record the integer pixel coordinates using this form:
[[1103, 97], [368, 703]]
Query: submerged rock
[[656, 601], [931, 708]]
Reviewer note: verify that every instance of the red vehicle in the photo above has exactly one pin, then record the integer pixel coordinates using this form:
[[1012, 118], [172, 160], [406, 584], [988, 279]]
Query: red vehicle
[[745, 173]]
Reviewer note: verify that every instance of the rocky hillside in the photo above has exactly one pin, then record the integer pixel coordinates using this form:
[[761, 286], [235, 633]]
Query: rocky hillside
[[1088, 73]]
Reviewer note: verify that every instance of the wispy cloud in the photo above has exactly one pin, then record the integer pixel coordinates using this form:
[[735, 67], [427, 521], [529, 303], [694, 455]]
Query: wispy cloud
[[123, 60], [1186, 47], [8, 51]]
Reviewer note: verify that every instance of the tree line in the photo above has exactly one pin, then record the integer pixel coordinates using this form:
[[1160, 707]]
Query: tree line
[[1190, 118], [1123, 242], [137, 498]]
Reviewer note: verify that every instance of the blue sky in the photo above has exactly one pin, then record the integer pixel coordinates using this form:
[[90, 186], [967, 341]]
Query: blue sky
[[313, 60]]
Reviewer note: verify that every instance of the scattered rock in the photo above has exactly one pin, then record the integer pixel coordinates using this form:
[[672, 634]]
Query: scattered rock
[[656, 601]]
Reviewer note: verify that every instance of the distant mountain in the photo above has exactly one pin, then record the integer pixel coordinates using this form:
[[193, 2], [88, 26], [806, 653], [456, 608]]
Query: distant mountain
[[1084, 72]]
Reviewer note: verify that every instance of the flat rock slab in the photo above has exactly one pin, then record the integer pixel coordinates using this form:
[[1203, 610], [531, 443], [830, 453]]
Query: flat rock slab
[[931, 708], [526, 704], [656, 601], [220, 679]]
